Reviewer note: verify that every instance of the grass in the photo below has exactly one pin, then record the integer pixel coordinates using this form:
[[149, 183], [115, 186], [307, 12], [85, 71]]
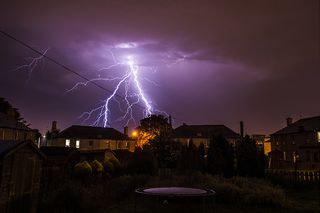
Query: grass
[[232, 195]]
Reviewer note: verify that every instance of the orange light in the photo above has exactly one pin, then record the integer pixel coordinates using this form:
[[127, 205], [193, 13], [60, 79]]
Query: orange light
[[134, 134]]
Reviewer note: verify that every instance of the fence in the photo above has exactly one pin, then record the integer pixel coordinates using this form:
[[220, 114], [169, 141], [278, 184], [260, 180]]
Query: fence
[[299, 176]]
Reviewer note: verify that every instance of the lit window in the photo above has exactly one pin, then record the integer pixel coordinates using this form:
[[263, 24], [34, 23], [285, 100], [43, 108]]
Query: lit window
[[319, 137], [77, 144], [67, 142]]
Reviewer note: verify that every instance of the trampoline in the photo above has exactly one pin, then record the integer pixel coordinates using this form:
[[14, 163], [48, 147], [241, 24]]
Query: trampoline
[[183, 193]]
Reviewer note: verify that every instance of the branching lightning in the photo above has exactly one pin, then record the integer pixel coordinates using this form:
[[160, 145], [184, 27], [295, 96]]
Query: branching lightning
[[33, 63], [133, 94], [129, 85]]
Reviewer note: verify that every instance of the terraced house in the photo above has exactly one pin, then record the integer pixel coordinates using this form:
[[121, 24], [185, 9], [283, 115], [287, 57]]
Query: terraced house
[[93, 138], [299, 142]]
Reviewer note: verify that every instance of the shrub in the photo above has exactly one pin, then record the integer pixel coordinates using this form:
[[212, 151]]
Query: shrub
[[82, 169], [97, 167], [108, 166]]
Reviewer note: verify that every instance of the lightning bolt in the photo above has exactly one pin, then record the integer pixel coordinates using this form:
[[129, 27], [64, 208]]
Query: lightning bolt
[[33, 63], [133, 94]]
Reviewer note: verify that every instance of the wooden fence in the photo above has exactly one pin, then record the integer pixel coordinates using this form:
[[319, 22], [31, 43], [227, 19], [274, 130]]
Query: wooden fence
[[299, 176]]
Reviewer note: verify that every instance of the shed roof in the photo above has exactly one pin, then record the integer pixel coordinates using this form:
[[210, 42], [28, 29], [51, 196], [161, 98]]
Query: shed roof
[[8, 147]]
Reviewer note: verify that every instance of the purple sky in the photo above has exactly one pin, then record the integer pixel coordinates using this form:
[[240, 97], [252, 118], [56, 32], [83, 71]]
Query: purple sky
[[256, 61]]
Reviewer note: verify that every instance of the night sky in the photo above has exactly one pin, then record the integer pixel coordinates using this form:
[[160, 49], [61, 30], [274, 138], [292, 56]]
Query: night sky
[[203, 62]]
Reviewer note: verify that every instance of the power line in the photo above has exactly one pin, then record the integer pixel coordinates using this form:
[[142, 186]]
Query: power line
[[65, 67]]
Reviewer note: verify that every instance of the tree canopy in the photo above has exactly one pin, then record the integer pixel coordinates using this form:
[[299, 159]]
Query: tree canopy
[[152, 128]]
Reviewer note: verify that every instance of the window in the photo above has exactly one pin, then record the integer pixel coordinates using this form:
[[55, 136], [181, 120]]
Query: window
[[90, 143], [127, 144], [77, 144], [108, 144], [318, 133], [67, 142]]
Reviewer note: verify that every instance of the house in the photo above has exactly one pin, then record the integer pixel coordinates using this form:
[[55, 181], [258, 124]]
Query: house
[[20, 173], [13, 130], [202, 134], [299, 141], [93, 138], [263, 143]]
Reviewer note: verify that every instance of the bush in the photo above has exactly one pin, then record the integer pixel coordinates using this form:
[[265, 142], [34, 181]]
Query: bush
[[116, 164], [97, 167], [108, 166], [82, 169]]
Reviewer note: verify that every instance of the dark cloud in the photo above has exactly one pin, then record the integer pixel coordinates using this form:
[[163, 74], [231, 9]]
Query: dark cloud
[[251, 60]]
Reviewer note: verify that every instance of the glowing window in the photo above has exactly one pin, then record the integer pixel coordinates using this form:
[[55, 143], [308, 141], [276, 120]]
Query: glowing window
[[319, 137], [77, 144], [67, 142]]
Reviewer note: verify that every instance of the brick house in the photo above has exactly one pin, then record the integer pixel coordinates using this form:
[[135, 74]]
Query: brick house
[[300, 140], [202, 134], [20, 173]]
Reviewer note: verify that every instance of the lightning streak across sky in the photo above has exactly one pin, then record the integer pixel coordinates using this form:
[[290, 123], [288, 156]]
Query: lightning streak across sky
[[133, 94], [34, 63]]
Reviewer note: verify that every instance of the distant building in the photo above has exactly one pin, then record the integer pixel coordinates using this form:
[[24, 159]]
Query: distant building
[[202, 134], [20, 173], [263, 143], [13, 130], [93, 138], [299, 140]]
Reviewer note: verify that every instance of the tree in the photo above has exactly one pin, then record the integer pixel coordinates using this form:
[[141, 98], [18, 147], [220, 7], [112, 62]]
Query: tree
[[220, 157], [154, 127], [7, 109], [202, 157], [248, 158]]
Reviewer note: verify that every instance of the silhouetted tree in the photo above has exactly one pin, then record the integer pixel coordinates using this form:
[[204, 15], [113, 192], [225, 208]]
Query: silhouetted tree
[[248, 159], [220, 157], [7, 109], [202, 157], [142, 162]]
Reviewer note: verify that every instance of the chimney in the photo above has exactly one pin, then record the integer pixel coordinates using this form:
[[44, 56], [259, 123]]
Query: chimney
[[289, 121], [241, 129], [126, 131], [54, 126]]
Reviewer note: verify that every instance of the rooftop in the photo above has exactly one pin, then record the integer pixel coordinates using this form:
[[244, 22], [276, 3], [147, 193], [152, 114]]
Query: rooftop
[[203, 131], [90, 132], [305, 124]]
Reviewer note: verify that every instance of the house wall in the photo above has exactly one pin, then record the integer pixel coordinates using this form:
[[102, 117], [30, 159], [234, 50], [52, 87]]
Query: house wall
[[20, 181], [96, 144], [306, 144], [17, 134], [198, 141]]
